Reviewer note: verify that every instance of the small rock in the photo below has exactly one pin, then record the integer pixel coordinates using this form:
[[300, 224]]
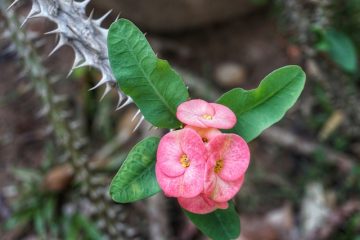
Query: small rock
[[59, 178], [294, 53], [230, 74]]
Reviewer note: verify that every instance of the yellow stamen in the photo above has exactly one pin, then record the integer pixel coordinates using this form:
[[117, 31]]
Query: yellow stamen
[[218, 166], [185, 162], [207, 117]]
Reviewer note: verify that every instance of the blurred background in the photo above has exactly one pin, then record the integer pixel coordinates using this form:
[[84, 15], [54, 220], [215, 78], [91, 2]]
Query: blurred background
[[60, 145]]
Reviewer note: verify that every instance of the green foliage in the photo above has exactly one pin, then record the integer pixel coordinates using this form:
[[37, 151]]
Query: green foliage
[[222, 224], [340, 48], [43, 209], [153, 85], [136, 178], [78, 227], [260, 108]]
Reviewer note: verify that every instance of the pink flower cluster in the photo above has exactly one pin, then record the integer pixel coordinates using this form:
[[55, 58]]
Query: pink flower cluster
[[198, 164]]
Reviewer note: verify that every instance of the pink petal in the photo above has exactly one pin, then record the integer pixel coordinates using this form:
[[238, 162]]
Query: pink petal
[[188, 185], [234, 153], [220, 190], [175, 144], [206, 134], [168, 154], [222, 205], [192, 112], [201, 204], [175, 179], [193, 146], [224, 118]]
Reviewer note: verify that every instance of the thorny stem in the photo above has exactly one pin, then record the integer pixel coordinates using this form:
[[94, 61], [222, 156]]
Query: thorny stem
[[66, 132]]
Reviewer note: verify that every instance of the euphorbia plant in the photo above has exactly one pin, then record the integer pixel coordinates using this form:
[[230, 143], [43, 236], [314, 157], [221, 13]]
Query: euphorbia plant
[[203, 159]]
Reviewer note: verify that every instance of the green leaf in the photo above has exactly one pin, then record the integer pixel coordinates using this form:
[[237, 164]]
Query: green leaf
[[89, 229], [222, 224], [153, 85], [136, 178], [340, 48], [260, 108]]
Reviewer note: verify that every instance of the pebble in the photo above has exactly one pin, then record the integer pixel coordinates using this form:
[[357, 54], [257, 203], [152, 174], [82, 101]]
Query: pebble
[[230, 74]]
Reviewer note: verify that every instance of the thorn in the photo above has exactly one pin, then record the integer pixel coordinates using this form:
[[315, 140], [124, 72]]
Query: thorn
[[117, 17], [13, 4], [77, 60], [107, 90], [138, 124], [24, 22], [91, 15], [35, 10], [34, 13], [121, 97], [136, 114], [83, 64], [127, 102], [57, 30], [101, 82], [83, 3], [101, 19], [60, 43]]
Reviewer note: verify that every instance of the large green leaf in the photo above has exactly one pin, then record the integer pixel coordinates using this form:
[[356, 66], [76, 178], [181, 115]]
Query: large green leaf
[[260, 108], [340, 48], [218, 225], [153, 85], [136, 178]]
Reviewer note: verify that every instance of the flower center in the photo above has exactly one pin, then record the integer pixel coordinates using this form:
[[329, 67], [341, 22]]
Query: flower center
[[184, 160], [218, 166], [205, 140], [207, 117]]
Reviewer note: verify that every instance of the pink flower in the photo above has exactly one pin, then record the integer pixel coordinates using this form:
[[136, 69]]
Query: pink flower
[[229, 158], [199, 113], [201, 204], [180, 165], [206, 134], [199, 165]]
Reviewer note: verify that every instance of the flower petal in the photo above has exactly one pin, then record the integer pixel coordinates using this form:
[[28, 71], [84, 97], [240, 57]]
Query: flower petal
[[206, 134], [168, 154], [219, 190], [201, 204], [192, 112], [223, 118], [188, 185], [193, 146], [234, 153]]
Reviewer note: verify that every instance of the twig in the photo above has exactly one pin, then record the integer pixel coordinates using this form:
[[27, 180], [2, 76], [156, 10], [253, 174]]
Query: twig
[[336, 219], [289, 140]]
